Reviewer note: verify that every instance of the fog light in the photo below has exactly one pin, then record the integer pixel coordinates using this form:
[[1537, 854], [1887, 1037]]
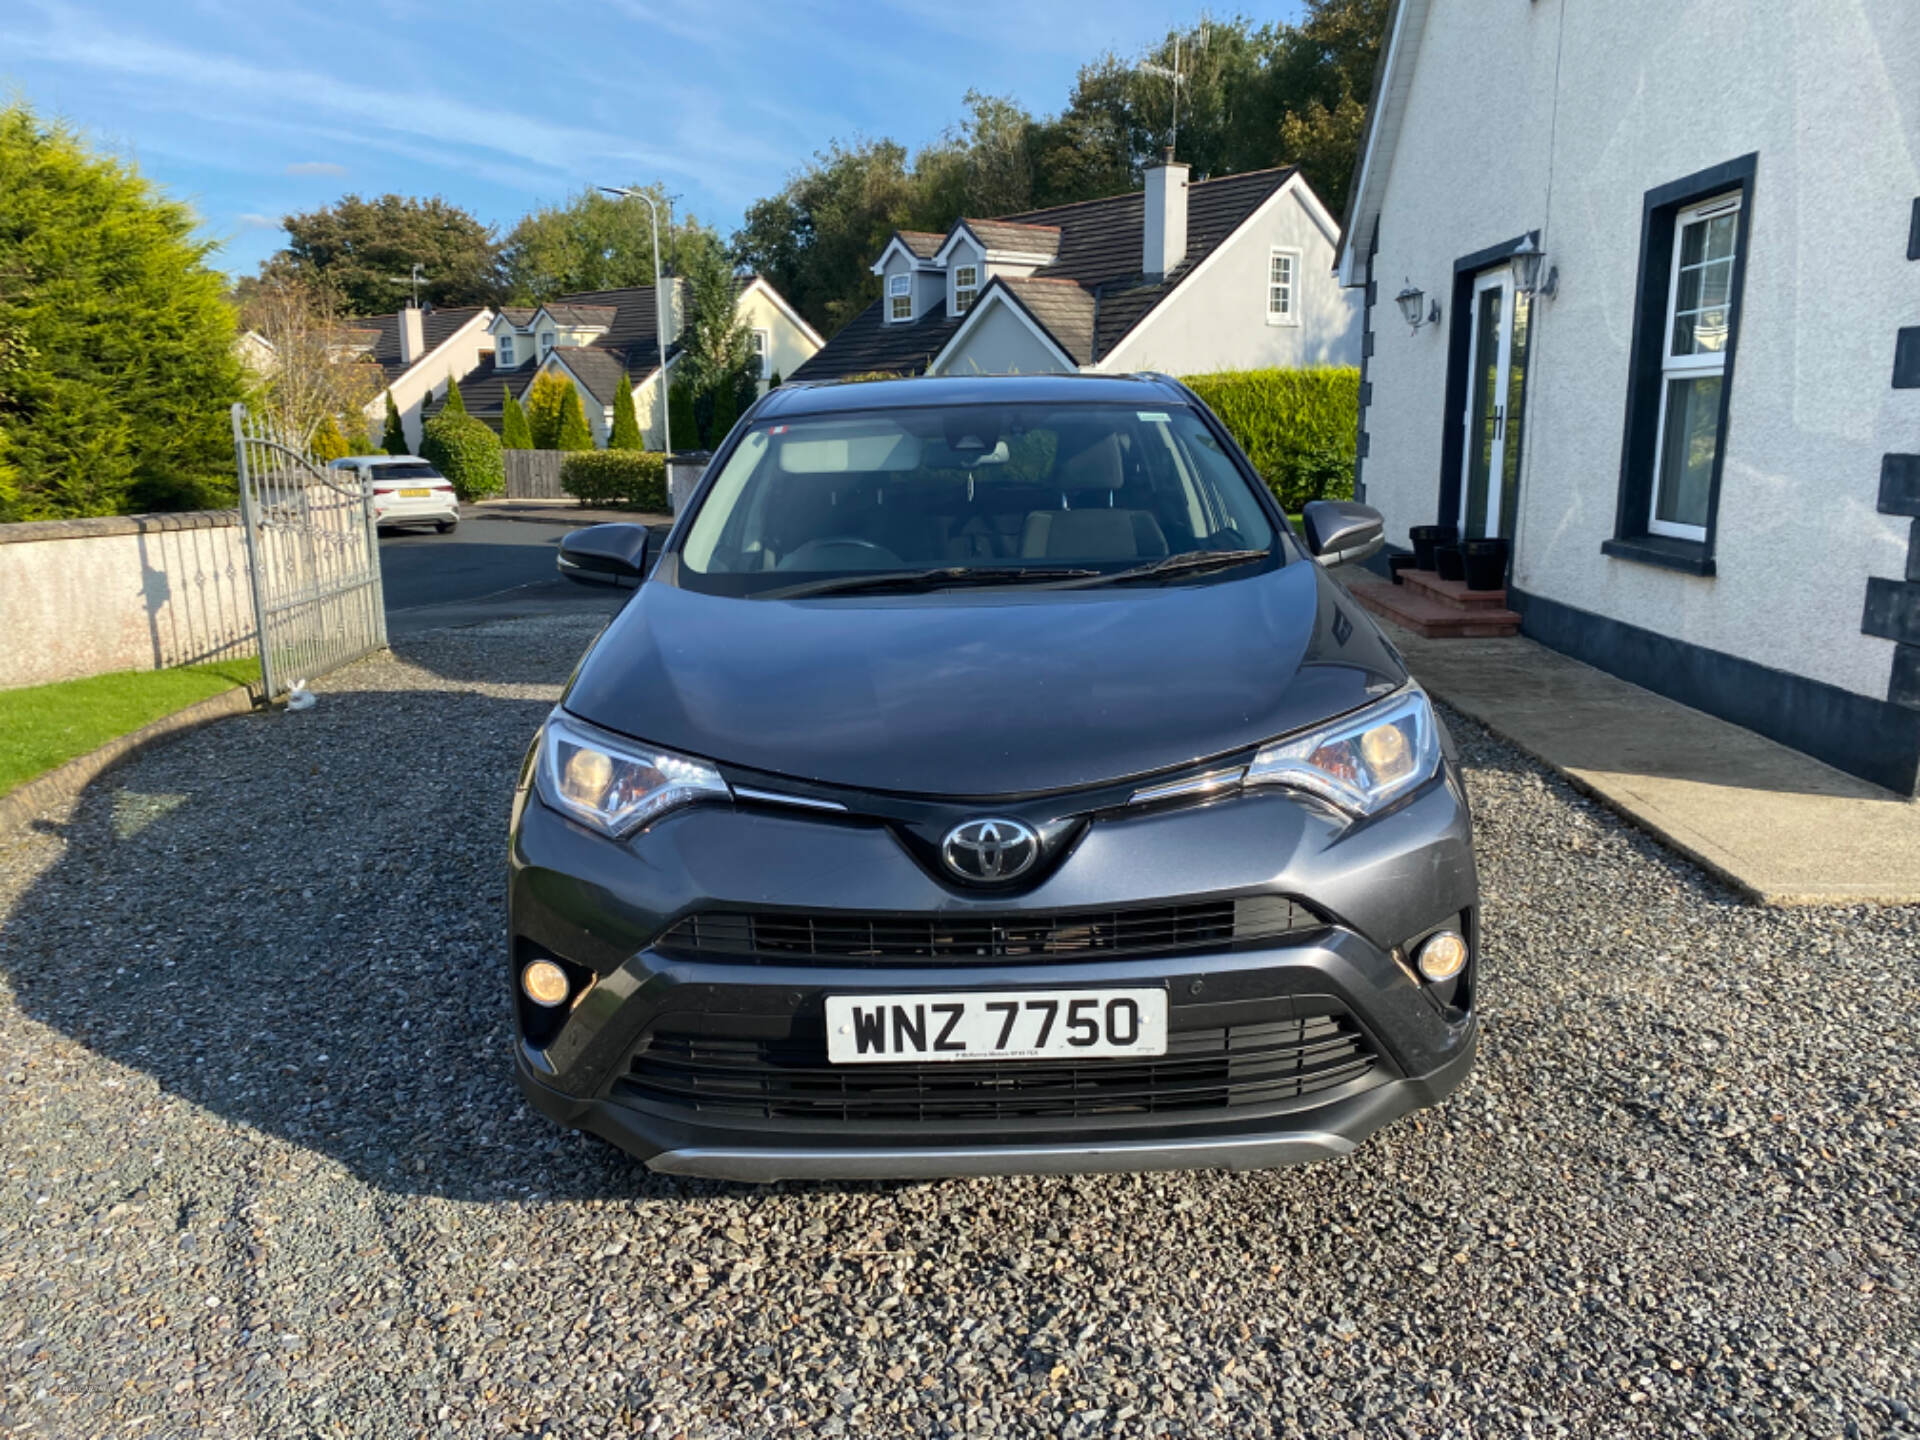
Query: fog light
[[1442, 956], [545, 983]]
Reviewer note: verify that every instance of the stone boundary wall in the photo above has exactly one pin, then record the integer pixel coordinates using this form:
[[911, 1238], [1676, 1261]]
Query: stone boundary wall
[[121, 592]]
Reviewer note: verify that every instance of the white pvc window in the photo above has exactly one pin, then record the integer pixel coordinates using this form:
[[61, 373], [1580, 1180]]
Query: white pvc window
[[762, 342], [966, 285], [899, 297], [546, 343], [1693, 366], [1283, 284], [506, 352]]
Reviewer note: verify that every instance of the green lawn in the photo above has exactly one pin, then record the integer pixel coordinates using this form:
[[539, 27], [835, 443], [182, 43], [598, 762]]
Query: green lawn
[[47, 725]]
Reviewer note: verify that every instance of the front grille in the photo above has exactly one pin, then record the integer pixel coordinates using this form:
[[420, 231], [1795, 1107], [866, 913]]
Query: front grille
[[857, 936], [1221, 1069]]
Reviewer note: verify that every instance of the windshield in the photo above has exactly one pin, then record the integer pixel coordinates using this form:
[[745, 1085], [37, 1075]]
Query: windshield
[[970, 495]]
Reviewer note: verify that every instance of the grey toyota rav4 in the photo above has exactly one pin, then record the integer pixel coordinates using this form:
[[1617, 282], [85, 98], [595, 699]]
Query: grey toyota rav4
[[987, 779]]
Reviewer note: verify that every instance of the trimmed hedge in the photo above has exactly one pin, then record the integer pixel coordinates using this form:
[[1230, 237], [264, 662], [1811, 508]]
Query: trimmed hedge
[[1298, 427], [626, 477], [467, 452]]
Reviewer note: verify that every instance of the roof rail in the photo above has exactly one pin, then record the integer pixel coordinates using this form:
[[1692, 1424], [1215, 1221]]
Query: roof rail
[[1169, 382]]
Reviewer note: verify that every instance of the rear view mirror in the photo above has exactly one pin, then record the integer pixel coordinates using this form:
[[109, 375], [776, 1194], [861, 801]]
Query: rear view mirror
[[614, 554], [1340, 532]]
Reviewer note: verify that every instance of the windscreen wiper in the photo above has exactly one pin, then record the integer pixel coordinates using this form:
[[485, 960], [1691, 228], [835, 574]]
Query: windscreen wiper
[[1185, 563], [926, 579]]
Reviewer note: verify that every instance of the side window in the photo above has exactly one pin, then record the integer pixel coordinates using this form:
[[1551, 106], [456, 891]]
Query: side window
[[1283, 272], [900, 297], [506, 352], [966, 285], [1693, 367], [762, 342], [1694, 237]]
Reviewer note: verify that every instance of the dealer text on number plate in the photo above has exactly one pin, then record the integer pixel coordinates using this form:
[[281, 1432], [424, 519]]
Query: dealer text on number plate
[[996, 1025]]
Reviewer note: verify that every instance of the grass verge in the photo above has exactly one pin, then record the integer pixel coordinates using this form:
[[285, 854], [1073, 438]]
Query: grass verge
[[47, 725]]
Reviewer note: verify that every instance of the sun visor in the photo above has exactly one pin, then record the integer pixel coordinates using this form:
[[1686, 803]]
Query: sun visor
[[856, 449]]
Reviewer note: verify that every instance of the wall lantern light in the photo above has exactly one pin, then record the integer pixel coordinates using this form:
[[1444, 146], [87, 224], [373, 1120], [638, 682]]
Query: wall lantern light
[[1410, 302], [1528, 260]]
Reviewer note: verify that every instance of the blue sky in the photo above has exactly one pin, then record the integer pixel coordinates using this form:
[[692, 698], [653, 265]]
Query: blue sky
[[251, 109]]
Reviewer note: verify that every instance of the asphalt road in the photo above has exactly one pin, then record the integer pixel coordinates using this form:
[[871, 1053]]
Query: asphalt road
[[487, 569]]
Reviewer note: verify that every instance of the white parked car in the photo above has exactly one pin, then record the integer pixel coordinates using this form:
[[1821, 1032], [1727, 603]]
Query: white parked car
[[406, 490]]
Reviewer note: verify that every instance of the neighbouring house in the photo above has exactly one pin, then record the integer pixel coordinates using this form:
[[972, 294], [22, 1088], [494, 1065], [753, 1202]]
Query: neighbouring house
[[1642, 298], [1185, 277], [417, 348], [596, 337]]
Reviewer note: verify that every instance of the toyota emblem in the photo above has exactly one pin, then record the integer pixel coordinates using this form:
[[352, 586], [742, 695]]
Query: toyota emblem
[[991, 851]]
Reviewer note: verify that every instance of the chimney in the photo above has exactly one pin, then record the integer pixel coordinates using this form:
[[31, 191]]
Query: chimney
[[1165, 241], [413, 335]]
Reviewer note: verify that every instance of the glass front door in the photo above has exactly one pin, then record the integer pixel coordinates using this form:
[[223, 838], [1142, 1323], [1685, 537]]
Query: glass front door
[[1496, 379]]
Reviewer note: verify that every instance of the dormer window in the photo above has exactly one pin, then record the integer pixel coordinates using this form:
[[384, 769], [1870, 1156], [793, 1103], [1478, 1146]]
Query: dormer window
[[546, 343], [899, 297], [966, 285], [506, 352]]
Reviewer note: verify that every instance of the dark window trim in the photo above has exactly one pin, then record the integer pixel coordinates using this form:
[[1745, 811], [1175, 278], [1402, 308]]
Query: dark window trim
[[1453, 437], [1669, 552], [1913, 233], [1638, 463]]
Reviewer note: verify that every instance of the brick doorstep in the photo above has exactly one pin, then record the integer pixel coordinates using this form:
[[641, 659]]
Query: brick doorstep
[[1431, 616], [1453, 592]]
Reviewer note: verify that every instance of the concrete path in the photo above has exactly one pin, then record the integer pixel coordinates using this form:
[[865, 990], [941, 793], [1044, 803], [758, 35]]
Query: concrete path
[[1780, 826]]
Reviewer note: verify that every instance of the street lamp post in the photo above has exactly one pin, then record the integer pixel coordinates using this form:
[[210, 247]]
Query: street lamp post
[[662, 312]]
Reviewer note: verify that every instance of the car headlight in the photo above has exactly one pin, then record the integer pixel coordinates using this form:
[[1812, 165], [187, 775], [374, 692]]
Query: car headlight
[[614, 784], [1362, 762]]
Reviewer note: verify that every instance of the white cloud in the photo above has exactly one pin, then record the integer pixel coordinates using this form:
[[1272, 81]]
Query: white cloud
[[253, 220], [463, 135], [316, 167]]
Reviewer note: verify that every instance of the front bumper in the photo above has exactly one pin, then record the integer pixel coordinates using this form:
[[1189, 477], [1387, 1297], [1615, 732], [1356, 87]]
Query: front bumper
[[1367, 1042]]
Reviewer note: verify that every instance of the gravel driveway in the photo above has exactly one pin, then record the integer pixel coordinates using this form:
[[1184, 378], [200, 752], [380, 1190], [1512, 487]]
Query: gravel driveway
[[263, 1173]]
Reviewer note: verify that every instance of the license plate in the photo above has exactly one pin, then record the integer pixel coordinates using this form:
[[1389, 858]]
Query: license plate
[[415, 494], [995, 1025]]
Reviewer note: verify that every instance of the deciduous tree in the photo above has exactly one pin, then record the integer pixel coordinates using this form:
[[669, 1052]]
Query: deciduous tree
[[593, 241], [314, 367], [365, 249]]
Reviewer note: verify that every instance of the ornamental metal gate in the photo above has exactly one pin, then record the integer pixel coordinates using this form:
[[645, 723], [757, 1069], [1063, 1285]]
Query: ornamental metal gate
[[313, 556]]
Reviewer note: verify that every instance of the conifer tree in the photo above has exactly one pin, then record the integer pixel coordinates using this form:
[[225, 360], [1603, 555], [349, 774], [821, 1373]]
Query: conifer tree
[[574, 432], [515, 433], [680, 412], [455, 405], [626, 422], [544, 398], [394, 439]]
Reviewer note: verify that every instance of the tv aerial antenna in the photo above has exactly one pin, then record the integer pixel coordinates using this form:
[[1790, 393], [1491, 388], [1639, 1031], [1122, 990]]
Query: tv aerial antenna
[[1176, 76], [419, 274]]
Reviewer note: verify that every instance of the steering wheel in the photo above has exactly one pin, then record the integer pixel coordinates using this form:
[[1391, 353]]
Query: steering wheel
[[840, 552]]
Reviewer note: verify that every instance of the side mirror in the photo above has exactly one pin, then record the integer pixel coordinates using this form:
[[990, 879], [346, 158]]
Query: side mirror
[[1340, 532], [613, 554]]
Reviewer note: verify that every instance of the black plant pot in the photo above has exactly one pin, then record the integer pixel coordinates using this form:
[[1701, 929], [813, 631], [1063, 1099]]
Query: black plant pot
[[1486, 564], [1426, 538], [1448, 560], [1396, 564]]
